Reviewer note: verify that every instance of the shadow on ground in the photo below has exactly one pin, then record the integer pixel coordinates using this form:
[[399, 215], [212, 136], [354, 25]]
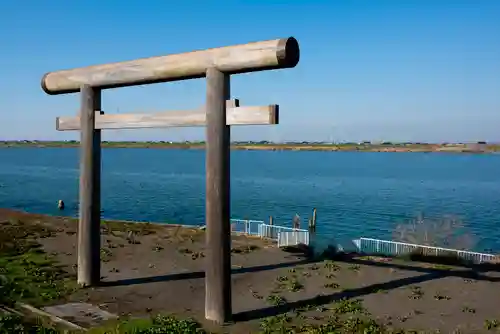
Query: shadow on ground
[[470, 272], [201, 274]]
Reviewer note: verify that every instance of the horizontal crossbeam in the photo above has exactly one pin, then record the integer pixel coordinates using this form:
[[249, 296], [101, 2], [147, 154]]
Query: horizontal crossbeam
[[235, 115], [235, 59]]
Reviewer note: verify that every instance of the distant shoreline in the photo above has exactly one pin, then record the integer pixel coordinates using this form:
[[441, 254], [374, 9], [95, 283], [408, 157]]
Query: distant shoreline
[[326, 147]]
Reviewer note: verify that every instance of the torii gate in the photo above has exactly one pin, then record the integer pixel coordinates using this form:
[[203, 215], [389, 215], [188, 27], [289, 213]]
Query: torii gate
[[218, 115]]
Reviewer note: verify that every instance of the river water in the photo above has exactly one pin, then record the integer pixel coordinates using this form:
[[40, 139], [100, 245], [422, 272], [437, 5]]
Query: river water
[[357, 194]]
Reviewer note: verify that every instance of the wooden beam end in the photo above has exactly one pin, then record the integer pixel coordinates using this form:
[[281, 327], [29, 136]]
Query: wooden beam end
[[274, 112]]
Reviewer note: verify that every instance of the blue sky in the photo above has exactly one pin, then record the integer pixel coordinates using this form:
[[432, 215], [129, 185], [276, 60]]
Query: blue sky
[[417, 70]]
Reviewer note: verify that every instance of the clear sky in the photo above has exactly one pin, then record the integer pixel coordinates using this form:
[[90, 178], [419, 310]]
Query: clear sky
[[421, 70]]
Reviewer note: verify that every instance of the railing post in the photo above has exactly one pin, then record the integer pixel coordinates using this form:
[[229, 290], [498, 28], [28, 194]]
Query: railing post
[[314, 220], [218, 266]]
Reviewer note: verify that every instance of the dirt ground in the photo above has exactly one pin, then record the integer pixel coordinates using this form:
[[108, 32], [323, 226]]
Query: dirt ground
[[150, 269]]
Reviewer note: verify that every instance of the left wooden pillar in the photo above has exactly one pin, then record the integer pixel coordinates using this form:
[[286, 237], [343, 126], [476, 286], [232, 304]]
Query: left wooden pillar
[[89, 233]]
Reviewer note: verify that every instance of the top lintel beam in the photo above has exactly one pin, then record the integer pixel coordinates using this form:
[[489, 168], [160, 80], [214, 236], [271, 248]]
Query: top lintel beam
[[243, 58]]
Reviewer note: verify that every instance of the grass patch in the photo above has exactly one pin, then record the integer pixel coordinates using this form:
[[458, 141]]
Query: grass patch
[[285, 324], [136, 229], [27, 273], [276, 324], [353, 306], [158, 324], [10, 324]]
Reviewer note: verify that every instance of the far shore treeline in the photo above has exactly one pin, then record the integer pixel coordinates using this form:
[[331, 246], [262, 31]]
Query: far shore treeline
[[477, 147]]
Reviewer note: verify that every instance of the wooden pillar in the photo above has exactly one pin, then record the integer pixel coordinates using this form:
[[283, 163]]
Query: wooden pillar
[[89, 262], [218, 266]]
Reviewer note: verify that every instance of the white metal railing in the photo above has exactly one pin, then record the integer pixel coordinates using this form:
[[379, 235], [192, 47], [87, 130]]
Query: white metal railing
[[246, 226], [272, 231], [284, 236], [293, 238], [386, 247]]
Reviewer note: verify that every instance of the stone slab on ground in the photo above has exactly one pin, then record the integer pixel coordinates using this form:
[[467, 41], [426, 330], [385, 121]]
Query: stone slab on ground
[[83, 314]]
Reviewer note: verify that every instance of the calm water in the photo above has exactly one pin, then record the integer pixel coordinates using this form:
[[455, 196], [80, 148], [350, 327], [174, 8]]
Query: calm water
[[356, 194]]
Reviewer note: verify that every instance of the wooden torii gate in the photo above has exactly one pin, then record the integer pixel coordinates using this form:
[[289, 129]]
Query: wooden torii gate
[[218, 114]]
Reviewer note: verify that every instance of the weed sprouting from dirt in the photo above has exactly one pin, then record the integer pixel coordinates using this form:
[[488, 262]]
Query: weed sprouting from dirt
[[332, 285], [194, 254], [332, 266], [354, 267], [491, 324], [157, 248], [106, 254], [295, 285], [276, 300], [244, 249], [440, 296], [467, 309], [290, 283], [416, 293], [281, 279]]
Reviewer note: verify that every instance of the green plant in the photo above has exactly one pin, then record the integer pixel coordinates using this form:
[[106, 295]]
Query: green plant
[[354, 267], [332, 266], [491, 324], [348, 306], [440, 296], [416, 292], [157, 324], [10, 324], [467, 309], [331, 285], [26, 272], [295, 285], [276, 300]]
